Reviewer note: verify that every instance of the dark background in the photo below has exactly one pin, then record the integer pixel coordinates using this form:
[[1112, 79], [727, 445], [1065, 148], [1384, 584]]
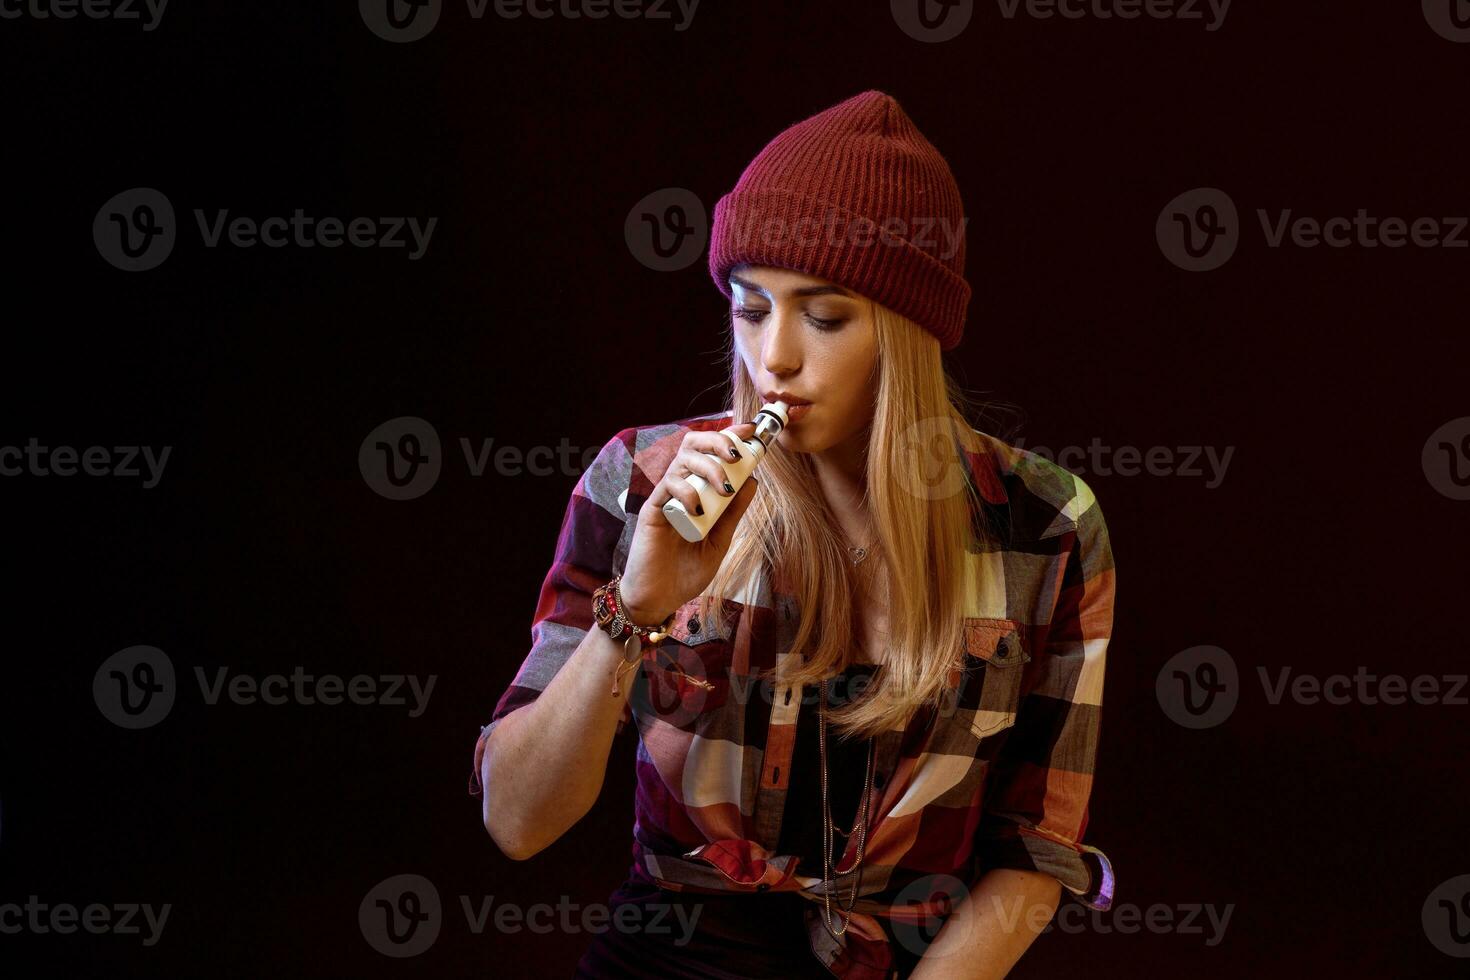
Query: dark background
[[529, 320]]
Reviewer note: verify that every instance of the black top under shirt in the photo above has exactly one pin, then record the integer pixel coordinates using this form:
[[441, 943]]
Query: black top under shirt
[[847, 759]]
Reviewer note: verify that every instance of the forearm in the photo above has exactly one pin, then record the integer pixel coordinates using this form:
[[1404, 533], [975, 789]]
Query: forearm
[[986, 934], [544, 763]]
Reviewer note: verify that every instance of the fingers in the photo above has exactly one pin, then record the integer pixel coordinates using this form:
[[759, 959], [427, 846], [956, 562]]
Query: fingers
[[724, 530], [674, 487], [717, 442], [704, 453], [679, 488]]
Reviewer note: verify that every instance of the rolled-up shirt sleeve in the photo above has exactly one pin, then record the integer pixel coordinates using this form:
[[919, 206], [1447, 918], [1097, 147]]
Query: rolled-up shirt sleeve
[[1035, 805], [588, 549]]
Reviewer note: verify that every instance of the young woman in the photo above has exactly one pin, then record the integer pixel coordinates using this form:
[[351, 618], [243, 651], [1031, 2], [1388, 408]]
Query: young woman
[[867, 703]]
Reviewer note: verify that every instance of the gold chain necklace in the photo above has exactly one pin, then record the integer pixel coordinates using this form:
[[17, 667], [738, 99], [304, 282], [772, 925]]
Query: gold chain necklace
[[861, 828]]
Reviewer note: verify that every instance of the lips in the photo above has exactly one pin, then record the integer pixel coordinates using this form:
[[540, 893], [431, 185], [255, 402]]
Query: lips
[[791, 400]]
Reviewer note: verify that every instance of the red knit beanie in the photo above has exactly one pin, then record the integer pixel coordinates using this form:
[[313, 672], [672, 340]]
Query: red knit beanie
[[857, 196]]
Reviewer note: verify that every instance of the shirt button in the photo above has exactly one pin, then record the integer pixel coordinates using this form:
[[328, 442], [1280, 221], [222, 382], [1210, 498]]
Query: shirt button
[[1001, 650], [693, 624]]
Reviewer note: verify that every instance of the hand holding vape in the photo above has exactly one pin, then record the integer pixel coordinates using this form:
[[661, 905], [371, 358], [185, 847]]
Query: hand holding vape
[[769, 422]]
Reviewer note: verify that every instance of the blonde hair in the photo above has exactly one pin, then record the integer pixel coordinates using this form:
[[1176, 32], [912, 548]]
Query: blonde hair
[[924, 526]]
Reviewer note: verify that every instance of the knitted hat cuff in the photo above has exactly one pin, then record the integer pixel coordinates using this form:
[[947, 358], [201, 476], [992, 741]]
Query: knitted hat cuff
[[790, 230]]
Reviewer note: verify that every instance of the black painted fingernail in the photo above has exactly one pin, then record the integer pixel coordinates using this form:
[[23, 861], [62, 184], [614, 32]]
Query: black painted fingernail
[[735, 454], [699, 510], [728, 488]]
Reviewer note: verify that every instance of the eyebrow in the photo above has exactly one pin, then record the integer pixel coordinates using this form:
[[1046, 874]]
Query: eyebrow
[[803, 291]]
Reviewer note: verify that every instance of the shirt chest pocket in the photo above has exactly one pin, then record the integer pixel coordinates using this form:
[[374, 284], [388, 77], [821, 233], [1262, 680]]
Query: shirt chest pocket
[[686, 678], [995, 661]]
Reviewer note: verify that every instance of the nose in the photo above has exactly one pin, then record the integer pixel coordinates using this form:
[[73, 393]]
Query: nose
[[781, 343]]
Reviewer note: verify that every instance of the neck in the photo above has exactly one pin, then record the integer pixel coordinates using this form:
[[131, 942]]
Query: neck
[[842, 473]]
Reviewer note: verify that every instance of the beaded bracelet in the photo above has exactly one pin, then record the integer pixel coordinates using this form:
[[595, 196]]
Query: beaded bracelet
[[608, 610]]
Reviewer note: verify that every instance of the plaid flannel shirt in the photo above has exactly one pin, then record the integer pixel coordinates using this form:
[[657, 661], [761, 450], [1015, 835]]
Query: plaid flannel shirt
[[997, 777]]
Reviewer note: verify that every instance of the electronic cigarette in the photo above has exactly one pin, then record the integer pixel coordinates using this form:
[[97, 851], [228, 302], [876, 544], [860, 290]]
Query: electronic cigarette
[[769, 422]]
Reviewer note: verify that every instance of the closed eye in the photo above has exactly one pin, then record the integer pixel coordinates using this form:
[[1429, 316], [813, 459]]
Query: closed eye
[[756, 316]]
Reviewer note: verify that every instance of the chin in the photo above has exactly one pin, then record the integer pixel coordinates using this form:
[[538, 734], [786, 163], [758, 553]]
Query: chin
[[801, 441]]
